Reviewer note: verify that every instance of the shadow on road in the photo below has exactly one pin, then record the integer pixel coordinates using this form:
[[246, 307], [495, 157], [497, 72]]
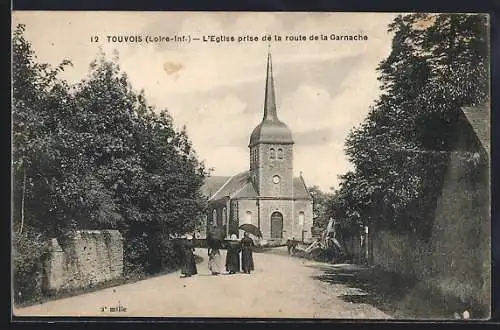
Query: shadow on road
[[395, 296]]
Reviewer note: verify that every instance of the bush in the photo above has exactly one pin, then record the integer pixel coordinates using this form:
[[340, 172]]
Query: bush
[[151, 254], [29, 250], [135, 251], [169, 255]]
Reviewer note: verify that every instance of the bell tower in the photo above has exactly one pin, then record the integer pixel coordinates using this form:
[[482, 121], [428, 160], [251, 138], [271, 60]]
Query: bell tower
[[271, 148]]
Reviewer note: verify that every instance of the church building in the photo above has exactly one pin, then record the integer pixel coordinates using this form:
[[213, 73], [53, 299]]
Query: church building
[[266, 195]]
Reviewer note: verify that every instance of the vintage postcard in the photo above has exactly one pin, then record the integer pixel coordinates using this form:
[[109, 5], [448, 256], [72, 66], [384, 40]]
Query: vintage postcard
[[251, 165]]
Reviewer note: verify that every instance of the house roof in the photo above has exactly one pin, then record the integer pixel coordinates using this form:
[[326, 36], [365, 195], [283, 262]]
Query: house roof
[[479, 119]]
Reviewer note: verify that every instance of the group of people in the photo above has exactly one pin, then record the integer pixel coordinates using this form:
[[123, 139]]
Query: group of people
[[215, 262], [291, 245]]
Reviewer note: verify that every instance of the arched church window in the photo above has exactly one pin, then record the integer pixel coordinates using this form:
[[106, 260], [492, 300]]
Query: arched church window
[[214, 217], [272, 154], [248, 217], [224, 216], [301, 219], [280, 153]]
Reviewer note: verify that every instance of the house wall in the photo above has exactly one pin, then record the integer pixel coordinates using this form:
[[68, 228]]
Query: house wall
[[456, 261], [461, 238]]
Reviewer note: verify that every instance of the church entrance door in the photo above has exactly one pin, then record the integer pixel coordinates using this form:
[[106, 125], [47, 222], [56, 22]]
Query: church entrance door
[[276, 225]]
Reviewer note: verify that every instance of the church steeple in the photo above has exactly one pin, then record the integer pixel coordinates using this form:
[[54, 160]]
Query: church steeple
[[271, 147], [271, 130], [270, 97]]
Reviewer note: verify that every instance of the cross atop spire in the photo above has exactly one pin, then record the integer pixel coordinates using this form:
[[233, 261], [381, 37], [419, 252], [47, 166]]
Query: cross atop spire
[[270, 99]]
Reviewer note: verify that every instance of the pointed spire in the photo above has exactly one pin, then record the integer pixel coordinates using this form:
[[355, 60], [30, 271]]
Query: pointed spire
[[270, 99]]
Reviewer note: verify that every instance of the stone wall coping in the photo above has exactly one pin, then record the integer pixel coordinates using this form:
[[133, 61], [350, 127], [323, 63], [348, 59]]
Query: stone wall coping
[[113, 232]]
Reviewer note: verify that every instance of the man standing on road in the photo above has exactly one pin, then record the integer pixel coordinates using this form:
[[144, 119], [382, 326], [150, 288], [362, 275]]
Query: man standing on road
[[294, 244]]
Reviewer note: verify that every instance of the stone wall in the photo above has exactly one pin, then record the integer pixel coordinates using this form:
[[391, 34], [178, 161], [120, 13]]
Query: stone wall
[[88, 258]]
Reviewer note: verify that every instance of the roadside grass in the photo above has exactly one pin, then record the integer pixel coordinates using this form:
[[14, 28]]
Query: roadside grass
[[402, 298]]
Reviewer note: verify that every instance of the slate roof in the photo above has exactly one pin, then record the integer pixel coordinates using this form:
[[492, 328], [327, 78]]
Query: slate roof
[[248, 191], [233, 185], [271, 129], [212, 184], [240, 186], [479, 119], [299, 189]]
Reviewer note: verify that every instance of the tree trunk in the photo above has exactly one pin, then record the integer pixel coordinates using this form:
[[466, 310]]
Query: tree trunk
[[22, 202]]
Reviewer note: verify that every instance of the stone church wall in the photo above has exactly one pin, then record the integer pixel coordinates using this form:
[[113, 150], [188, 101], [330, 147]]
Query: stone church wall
[[88, 258], [288, 208], [245, 206], [285, 207], [268, 168], [306, 207]]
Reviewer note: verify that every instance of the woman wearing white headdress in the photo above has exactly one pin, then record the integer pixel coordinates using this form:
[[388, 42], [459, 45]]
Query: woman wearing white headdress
[[214, 256], [233, 255]]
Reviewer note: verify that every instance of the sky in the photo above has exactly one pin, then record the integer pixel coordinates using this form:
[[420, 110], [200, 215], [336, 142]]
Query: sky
[[324, 88]]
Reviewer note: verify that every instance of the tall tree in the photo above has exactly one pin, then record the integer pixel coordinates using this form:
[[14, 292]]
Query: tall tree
[[35, 93], [94, 155], [149, 168], [38, 101], [438, 64]]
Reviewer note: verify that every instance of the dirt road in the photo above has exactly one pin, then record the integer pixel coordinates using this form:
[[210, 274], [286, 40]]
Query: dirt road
[[281, 286]]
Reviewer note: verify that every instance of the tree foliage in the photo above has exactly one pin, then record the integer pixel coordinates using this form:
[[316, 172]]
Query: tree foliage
[[438, 64], [95, 155], [321, 206]]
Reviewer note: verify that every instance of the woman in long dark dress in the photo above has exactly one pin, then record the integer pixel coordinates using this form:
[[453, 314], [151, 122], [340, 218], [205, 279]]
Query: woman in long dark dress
[[233, 255], [247, 254], [189, 264]]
